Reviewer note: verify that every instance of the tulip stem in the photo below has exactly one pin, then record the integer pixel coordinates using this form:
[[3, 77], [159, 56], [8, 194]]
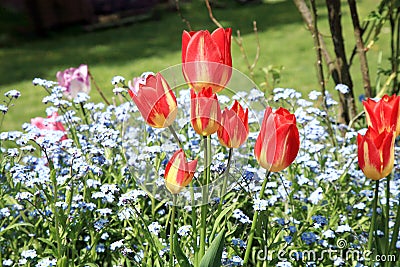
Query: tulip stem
[[254, 223], [373, 219], [204, 207], [194, 224], [172, 232], [395, 231], [387, 213], [224, 184], [175, 136]]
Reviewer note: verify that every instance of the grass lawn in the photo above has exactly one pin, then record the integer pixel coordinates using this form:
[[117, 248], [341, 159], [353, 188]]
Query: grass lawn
[[154, 45]]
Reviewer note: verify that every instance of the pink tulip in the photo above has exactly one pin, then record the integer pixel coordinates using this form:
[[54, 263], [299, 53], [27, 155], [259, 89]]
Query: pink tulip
[[50, 123], [74, 80]]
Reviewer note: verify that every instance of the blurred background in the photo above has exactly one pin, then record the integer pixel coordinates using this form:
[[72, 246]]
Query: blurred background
[[128, 37]]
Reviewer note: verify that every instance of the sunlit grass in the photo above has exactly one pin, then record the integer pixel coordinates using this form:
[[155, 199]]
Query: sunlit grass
[[155, 45]]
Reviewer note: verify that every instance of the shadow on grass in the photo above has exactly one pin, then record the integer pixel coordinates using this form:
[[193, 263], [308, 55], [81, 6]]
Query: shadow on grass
[[118, 46]]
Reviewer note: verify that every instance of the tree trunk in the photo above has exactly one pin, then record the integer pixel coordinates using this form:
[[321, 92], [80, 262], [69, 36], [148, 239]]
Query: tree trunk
[[347, 106], [360, 48]]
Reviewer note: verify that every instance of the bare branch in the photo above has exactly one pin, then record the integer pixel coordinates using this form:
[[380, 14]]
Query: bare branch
[[210, 13], [184, 20]]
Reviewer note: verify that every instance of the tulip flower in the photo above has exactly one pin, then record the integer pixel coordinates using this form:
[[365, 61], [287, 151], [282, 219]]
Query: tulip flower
[[384, 114], [278, 142], [50, 123], [205, 112], [178, 172], [74, 80], [376, 153], [206, 58], [154, 99], [234, 127]]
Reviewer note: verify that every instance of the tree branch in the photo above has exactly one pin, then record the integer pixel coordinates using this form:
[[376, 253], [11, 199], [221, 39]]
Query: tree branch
[[360, 48]]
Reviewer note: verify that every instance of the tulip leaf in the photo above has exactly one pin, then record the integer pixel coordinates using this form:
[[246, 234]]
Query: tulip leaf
[[219, 218], [213, 255], [180, 256]]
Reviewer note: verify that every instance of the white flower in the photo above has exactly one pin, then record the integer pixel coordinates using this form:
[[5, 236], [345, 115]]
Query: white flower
[[316, 196], [117, 244], [343, 228], [154, 228], [13, 94], [328, 234], [30, 253], [344, 89], [117, 79], [184, 230]]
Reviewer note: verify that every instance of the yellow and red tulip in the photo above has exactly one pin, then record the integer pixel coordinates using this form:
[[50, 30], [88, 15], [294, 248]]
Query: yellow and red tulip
[[207, 59], [205, 112], [154, 99], [384, 114], [178, 172], [376, 153], [234, 127], [278, 142]]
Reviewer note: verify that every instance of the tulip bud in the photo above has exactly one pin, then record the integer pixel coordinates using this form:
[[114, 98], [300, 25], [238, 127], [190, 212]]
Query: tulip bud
[[74, 80], [234, 127], [206, 58], [205, 112], [384, 113], [178, 172], [376, 153], [278, 142], [154, 99]]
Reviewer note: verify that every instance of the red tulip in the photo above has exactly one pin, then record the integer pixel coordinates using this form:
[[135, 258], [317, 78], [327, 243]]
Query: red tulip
[[376, 153], [154, 99], [205, 112], [234, 127], [74, 80], [384, 114], [49, 124], [206, 58], [278, 142], [178, 172]]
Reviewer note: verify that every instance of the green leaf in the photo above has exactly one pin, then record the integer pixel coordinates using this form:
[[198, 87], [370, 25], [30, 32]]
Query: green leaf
[[14, 226], [91, 265], [217, 222], [48, 242], [180, 256], [213, 255]]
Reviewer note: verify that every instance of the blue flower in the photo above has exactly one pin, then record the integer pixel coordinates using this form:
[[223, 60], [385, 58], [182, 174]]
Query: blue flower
[[318, 219], [308, 238], [238, 242], [288, 239]]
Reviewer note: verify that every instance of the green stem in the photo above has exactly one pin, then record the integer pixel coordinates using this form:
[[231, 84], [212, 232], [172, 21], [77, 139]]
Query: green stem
[[84, 114], [204, 207], [175, 136], [172, 232], [224, 184], [254, 223], [194, 224], [373, 220], [387, 213], [395, 231]]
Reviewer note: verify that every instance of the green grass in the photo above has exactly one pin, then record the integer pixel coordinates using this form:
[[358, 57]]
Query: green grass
[[154, 45]]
